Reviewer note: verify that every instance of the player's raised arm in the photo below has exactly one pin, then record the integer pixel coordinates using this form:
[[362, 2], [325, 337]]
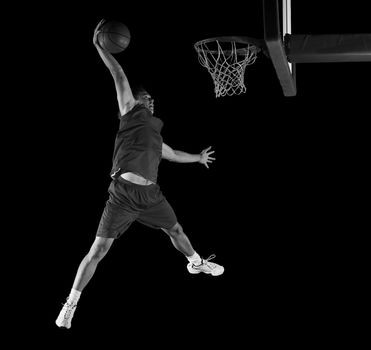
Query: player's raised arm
[[125, 96]]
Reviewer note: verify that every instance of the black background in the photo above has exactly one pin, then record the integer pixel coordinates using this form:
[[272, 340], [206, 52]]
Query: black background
[[272, 207]]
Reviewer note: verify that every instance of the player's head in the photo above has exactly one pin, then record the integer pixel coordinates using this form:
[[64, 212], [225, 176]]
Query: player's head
[[142, 95]]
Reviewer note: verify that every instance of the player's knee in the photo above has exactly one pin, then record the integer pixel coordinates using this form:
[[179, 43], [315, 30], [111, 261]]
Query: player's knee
[[99, 249], [98, 252], [175, 231]]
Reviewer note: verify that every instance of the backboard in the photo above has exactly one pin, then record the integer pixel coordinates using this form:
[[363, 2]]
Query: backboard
[[277, 28], [227, 63]]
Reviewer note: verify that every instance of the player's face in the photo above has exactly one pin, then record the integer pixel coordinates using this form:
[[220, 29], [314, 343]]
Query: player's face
[[148, 101]]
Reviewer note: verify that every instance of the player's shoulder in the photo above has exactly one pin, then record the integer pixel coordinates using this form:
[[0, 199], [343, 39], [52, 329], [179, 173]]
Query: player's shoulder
[[129, 107]]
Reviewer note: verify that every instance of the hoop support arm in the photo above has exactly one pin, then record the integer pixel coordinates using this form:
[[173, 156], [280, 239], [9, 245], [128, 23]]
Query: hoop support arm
[[328, 48]]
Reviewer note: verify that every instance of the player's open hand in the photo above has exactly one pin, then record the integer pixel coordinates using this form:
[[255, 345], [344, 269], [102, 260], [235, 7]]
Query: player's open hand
[[97, 30], [205, 157]]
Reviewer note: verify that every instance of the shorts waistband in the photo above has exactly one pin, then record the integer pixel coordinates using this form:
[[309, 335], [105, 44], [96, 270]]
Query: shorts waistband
[[122, 180]]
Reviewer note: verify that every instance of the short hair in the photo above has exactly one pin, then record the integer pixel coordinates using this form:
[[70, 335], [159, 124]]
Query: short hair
[[138, 91]]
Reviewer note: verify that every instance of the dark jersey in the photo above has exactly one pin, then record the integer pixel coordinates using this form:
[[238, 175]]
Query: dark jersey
[[138, 144]]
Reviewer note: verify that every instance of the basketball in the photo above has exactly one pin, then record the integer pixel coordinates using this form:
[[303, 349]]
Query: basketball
[[114, 37]]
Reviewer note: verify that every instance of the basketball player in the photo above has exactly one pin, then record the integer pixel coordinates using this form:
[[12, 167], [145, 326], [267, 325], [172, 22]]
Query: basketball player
[[134, 194]]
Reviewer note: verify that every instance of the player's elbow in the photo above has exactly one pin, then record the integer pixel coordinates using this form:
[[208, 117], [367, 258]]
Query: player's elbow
[[171, 156]]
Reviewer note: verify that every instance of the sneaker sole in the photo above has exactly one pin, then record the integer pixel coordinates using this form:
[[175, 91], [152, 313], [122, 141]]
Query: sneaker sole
[[195, 272], [62, 325]]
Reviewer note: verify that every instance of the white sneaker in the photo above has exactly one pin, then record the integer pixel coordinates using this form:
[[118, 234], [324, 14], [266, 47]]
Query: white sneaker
[[206, 267], [66, 314]]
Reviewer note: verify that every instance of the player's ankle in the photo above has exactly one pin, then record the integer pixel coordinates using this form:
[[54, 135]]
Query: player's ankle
[[74, 296], [195, 259]]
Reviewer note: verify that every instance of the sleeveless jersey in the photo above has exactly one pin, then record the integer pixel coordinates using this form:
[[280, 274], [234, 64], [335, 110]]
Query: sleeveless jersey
[[138, 144]]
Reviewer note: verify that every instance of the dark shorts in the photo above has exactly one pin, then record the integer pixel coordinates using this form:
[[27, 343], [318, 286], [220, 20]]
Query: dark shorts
[[129, 202]]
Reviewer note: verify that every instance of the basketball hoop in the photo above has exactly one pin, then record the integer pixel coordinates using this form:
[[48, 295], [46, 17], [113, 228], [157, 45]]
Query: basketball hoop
[[226, 59]]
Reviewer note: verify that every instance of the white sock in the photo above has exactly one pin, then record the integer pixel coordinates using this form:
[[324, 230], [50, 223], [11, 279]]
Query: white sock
[[74, 296], [195, 259]]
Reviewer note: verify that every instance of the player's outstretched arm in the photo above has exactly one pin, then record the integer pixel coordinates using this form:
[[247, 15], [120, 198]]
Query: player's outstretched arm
[[183, 157], [125, 96]]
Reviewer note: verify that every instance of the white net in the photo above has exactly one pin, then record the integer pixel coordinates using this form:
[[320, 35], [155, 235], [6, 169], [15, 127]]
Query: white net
[[226, 64]]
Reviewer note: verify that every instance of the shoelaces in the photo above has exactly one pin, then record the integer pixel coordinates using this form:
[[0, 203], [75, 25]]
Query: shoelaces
[[207, 263], [69, 307]]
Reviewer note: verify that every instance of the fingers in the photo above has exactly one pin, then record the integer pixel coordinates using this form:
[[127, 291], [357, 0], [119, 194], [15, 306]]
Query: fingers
[[206, 156], [99, 25], [207, 161], [207, 150], [98, 30], [101, 22]]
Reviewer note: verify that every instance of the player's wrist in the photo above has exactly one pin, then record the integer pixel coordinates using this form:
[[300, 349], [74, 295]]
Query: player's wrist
[[97, 45]]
